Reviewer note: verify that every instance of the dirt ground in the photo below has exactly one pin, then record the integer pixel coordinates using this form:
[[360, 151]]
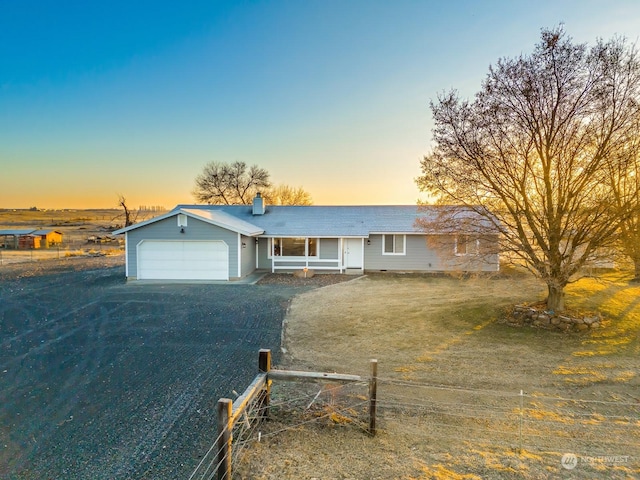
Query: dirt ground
[[461, 394], [100, 379]]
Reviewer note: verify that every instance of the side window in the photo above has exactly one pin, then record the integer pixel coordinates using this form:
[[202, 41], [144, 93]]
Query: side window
[[394, 244], [466, 245]]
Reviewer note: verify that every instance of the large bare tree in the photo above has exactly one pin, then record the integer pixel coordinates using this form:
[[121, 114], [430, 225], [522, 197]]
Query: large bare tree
[[534, 151], [230, 183]]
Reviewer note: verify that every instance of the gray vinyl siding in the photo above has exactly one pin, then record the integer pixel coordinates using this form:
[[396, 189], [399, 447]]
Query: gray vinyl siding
[[418, 257], [329, 248], [167, 229], [248, 263], [425, 254], [264, 263]]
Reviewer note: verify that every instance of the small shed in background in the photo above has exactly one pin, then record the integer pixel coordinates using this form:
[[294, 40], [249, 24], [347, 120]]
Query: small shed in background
[[11, 238], [26, 242], [29, 238], [48, 238]]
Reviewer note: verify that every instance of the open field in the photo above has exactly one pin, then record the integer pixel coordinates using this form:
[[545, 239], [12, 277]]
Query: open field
[[76, 226], [451, 375]]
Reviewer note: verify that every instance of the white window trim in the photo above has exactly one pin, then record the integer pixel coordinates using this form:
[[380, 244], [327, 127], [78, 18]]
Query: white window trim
[[467, 253], [395, 236], [270, 254]]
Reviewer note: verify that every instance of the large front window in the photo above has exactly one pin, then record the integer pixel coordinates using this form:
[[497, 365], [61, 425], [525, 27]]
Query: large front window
[[294, 247]]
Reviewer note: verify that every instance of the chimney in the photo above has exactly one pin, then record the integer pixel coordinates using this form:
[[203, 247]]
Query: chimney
[[258, 205]]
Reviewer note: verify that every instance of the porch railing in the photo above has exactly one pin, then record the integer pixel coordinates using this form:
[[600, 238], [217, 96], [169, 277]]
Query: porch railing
[[307, 262]]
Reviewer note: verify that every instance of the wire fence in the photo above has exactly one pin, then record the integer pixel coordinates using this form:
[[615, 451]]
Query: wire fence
[[533, 422], [301, 406], [513, 421], [69, 248]]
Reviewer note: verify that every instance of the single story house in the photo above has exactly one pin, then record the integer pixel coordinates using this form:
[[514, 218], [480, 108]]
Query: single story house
[[226, 242]]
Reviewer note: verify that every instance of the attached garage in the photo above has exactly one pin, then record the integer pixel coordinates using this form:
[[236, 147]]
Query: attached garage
[[183, 260]]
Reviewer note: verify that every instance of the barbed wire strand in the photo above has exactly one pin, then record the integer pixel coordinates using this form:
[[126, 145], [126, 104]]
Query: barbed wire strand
[[406, 383], [515, 409], [213, 445]]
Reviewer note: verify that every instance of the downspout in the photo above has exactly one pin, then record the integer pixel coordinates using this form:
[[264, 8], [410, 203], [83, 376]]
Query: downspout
[[239, 255], [126, 254], [257, 242]]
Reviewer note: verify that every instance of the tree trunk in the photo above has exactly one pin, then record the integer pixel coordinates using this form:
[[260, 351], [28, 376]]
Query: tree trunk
[[636, 265], [555, 300]]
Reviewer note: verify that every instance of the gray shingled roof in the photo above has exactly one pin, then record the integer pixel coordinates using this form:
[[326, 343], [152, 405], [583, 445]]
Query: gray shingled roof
[[338, 221], [225, 219]]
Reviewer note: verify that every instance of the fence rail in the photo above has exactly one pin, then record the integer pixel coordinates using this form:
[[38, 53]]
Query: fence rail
[[257, 398]]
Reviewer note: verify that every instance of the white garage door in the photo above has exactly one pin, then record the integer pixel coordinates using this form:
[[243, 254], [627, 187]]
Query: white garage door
[[183, 260]]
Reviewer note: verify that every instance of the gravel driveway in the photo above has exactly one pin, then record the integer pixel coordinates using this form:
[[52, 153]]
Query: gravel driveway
[[106, 380]]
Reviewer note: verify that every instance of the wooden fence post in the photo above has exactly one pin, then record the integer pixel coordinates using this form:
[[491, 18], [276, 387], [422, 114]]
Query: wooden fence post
[[224, 439], [373, 393], [264, 365]]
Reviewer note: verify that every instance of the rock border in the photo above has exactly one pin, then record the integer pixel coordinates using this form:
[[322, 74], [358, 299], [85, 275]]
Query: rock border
[[523, 315]]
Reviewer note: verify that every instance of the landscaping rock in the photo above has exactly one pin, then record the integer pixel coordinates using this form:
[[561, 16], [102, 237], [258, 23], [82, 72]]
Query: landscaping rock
[[544, 319], [524, 315], [591, 320]]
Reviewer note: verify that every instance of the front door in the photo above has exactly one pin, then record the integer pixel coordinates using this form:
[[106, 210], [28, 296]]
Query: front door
[[352, 253]]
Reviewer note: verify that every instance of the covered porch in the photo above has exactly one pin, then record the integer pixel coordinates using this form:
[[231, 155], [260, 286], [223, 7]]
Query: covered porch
[[336, 254]]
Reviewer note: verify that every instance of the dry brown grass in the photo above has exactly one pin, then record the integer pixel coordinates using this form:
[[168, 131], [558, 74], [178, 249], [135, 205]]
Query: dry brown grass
[[459, 418], [76, 226]]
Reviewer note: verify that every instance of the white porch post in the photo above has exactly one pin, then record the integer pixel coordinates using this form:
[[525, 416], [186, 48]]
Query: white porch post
[[273, 257], [362, 258], [341, 254], [306, 253]]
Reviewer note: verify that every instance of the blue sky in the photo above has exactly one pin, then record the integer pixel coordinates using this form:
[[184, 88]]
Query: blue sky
[[103, 98]]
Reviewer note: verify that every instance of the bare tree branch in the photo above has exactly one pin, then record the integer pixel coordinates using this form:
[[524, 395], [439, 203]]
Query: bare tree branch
[[130, 217], [230, 184], [286, 195], [536, 150]]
